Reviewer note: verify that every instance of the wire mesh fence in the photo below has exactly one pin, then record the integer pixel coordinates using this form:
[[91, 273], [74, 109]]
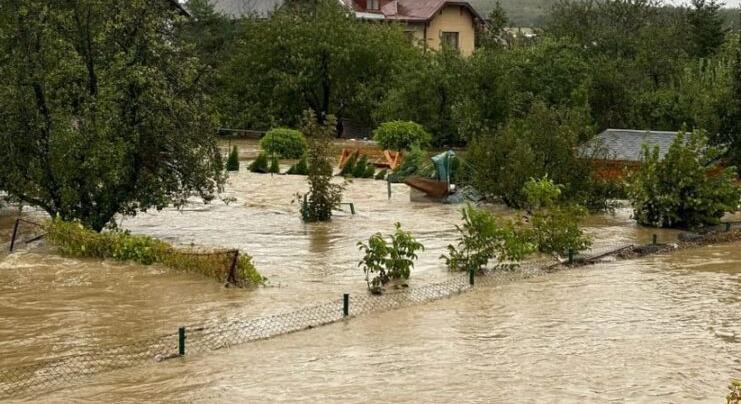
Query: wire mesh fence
[[217, 335]]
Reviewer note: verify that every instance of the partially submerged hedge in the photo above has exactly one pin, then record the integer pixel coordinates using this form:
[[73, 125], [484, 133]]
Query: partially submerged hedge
[[284, 143], [73, 239]]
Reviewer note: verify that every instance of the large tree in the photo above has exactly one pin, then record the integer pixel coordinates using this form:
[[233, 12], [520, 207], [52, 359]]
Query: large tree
[[311, 56], [103, 112], [707, 27]]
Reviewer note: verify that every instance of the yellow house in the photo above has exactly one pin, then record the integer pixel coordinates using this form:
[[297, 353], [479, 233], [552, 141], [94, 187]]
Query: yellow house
[[431, 23]]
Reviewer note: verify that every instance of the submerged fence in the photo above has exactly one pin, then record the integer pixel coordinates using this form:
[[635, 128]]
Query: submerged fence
[[216, 335]]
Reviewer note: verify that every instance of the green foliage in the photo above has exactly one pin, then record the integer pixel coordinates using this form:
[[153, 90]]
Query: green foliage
[[73, 239], [349, 168], [685, 189], [381, 175], [370, 171], [260, 164], [482, 238], [707, 27], [543, 143], [386, 261], [323, 195], [274, 165], [360, 167], [416, 162], [401, 136], [284, 143], [99, 118], [555, 225], [232, 162], [319, 57], [300, 168], [734, 395]]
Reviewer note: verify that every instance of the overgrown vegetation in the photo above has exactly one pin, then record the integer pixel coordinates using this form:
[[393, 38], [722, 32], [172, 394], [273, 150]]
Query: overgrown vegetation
[[284, 143], [323, 195], [401, 136], [685, 189], [385, 261], [73, 239], [416, 162], [300, 168], [734, 395], [484, 237], [260, 164], [274, 165], [232, 162], [99, 118], [555, 223]]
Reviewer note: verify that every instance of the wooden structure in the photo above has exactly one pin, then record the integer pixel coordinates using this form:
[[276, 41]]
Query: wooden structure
[[380, 158], [431, 187]]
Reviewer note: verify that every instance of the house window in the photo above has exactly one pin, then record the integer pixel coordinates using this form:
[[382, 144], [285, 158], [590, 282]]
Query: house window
[[374, 4], [449, 39]]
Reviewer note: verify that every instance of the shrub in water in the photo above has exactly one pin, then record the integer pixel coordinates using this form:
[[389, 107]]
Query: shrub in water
[[555, 225], [300, 168], [686, 188], [232, 162], [274, 165], [416, 162], [400, 135], [323, 196], [381, 175], [370, 171], [75, 240], [386, 261], [482, 238], [360, 167], [260, 165], [285, 143], [349, 166]]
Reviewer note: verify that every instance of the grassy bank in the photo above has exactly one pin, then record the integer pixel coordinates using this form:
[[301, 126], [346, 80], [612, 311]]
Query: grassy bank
[[74, 240]]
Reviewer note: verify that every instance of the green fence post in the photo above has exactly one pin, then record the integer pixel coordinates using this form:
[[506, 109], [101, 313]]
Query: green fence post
[[471, 276], [352, 208], [728, 226], [345, 305], [655, 239], [388, 186], [181, 341], [571, 256], [15, 234]]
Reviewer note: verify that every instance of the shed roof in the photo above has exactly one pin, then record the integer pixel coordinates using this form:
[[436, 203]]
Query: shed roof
[[627, 144], [239, 8]]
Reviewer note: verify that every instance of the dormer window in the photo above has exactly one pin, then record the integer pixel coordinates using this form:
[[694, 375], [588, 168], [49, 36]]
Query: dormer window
[[374, 5]]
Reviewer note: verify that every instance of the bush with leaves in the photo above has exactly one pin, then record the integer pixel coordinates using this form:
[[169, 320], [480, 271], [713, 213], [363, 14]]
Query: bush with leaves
[[274, 165], [380, 175], [232, 162], [260, 165], [484, 237], [300, 168], [323, 195], [360, 167], [284, 143], [734, 395], [349, 166], [385, 261], [73, 239], [401, 135], [370, 171], [416, 162], [685, 189], [555, 224]]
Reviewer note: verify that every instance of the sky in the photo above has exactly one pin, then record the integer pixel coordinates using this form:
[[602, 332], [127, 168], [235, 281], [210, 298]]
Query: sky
[[729, 3]]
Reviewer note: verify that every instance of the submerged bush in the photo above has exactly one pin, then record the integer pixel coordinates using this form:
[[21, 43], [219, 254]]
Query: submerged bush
[[300, 168], [285, 143], [555, 225], [370, 171], [686, 188], [260, 165], [360, 167], [232, 162], [349, 166], [482, 238], [323, 195], [274, 165], [401, 135], [381, 175], [75, 240], [386, 261], [416, 162]]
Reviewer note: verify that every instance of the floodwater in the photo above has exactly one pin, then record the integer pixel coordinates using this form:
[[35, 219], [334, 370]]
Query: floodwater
[[661, 329]]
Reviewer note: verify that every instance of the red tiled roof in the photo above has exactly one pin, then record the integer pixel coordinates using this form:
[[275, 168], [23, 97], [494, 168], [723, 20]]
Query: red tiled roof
[[414, 10]]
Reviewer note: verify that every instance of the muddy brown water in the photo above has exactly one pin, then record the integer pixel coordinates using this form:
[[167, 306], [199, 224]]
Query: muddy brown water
[[659, 329]]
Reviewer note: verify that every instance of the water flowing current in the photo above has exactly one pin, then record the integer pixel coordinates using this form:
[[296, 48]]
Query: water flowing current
[[665, 328]]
